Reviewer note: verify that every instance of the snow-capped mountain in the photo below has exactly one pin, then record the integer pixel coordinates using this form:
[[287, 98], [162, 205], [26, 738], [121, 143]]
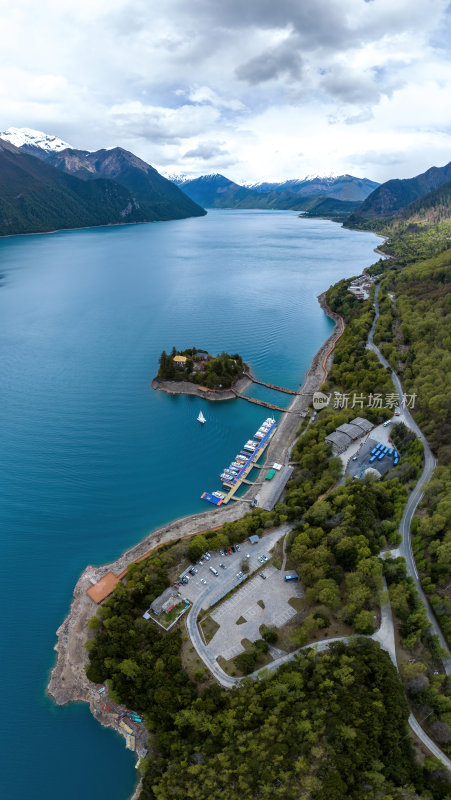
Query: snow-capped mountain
[[177, 177], [28, 139], [342, 187]]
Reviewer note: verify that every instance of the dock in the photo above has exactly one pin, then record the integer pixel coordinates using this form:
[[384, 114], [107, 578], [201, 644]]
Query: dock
[[260, 402], [270, 386], [247, 469]]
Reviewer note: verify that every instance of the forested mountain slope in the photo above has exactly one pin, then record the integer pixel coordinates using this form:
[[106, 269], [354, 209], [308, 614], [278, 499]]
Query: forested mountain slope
[[395, 195], [35, 197], [158, 198]]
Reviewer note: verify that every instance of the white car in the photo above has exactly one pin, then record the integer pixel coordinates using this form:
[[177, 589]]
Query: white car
[[202, 580]]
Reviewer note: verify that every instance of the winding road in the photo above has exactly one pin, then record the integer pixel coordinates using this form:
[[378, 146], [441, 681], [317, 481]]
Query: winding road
[[405, 548], [385, 634]]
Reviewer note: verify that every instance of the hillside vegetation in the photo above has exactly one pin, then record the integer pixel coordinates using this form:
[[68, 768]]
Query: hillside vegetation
[[328, 726], [215, 372], [393, 196], [158, 198], [37, 197]]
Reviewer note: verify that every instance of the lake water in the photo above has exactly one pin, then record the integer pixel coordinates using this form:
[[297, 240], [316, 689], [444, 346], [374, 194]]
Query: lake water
[[92, 459]]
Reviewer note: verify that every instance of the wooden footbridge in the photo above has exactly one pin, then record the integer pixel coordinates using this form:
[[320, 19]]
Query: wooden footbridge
[[259, 402], [270, 385], [264, 403]]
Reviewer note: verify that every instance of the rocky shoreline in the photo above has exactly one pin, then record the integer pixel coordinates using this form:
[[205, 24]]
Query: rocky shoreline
[[186, 387], [68, 682]]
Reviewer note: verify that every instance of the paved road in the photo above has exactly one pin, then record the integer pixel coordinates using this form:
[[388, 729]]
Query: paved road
[[385, 634], [431, 746], [203, 600], [405, 548]]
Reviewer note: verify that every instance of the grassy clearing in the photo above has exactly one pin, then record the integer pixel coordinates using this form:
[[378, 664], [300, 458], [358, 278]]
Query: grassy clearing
[[277, 554], [228, 667], [298, 603], [193, 665], [209, 628]]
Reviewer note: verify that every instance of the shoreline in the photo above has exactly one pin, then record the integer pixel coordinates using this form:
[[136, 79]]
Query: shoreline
[[68, 682], [96, 227], [186, 387]]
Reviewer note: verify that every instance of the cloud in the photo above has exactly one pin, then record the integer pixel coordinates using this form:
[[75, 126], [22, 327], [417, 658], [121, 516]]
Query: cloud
[[348, 86], [284, 59], [256, 83], [206, 151], [206, 95], [159, 124]]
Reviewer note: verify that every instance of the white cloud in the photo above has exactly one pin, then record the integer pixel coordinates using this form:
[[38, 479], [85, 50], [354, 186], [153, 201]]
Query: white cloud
[[247, 85]]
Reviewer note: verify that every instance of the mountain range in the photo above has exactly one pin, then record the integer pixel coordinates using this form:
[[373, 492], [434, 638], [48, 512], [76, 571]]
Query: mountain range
[[394, 196], [342, 187], [47, 186], [217, 191]]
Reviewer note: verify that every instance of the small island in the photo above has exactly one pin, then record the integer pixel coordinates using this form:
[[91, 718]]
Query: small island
[[196, 371]]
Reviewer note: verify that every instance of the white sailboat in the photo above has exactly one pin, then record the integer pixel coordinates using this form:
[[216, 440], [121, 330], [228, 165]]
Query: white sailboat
[[201, 417]]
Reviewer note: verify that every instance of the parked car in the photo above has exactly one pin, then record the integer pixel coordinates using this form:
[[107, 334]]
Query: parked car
[[221, 552], [237, 548], [202, 580], [233, 548], [248, 555], [185, 580], [223, 566], [262, 575]]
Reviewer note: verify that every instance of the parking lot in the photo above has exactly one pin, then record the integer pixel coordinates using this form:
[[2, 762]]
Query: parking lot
[[214, 586], [274, 592], [362, 453]]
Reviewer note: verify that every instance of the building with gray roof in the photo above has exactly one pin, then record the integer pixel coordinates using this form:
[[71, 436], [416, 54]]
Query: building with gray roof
[[339, 441], [365, 424], [353, 431], [163, 602], [347, 433]]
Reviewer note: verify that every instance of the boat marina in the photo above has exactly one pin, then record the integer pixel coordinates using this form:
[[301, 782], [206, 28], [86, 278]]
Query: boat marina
[[238, 470]]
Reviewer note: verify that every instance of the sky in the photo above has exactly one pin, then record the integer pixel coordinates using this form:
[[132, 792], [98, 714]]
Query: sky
[[254, 89]]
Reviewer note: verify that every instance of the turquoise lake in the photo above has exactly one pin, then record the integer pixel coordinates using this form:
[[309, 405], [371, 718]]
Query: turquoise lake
[[92, 459]]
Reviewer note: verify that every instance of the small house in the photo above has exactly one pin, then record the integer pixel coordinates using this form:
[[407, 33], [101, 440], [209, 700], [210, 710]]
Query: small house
[[163, 603]]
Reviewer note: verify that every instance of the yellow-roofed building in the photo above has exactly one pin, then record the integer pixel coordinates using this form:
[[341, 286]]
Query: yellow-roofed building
[[181, 360]]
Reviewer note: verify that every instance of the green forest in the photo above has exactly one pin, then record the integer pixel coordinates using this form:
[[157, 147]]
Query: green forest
[[414, 333], [219, 372], [331, 725]]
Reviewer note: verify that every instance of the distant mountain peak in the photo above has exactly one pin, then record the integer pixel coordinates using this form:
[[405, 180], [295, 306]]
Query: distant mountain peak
[[21, 137], [177, 177]]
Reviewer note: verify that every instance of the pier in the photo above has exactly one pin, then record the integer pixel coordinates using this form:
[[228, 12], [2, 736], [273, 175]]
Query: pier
[[270, 386], [232, 488], [260, 402]]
